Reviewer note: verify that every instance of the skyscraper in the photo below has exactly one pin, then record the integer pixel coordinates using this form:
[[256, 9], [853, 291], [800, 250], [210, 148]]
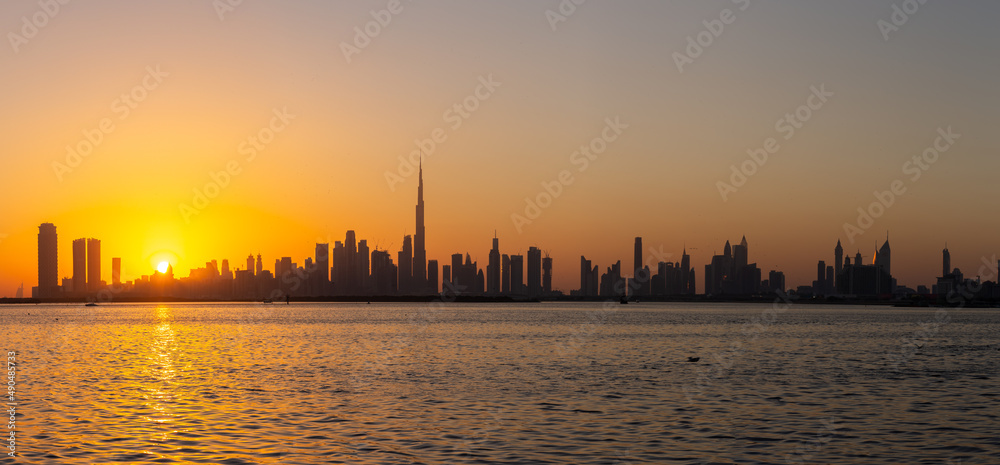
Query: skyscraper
[[517, 275], [505, 274], [116, 271], [546, 275], [687, 273], [250, 264], [838, 262], [405, 260], [322, 264], [260, 265], [48, 261], [493, 269], [641, 275], [884, 257], [79, 265], [93, 265], [419, 251], [432, 276], [945, 261], [534, 272]]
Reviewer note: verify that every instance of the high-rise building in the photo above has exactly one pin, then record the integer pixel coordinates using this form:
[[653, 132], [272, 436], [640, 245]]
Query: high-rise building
[[517, 286], [419, 250], [250, 265], [432, 276], [534, 272], [93, 265], [883, 257], [116, 270], [547, 275], [405, 260], [321, 262], [260, 265], [79, 265], [363, 266], [819, 286], [505, 274], [838, 262], [687, 273], [493, 269], [741, 254], [776, 281], [48, 261], [641, 274], [945, 261]]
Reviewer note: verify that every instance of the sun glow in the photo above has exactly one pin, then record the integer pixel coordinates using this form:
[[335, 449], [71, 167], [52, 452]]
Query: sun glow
[[162, 267]]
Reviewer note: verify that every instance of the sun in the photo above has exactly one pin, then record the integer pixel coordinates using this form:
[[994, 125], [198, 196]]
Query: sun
[[162, 267]]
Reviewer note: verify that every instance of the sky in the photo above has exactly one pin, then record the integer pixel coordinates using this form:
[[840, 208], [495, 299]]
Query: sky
[[196, 130]]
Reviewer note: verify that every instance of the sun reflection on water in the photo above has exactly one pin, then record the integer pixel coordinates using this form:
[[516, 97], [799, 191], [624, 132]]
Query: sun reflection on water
[[160, 369]]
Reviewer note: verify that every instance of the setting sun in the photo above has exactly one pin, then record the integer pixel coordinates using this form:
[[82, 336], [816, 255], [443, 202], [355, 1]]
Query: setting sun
[[162, 267]]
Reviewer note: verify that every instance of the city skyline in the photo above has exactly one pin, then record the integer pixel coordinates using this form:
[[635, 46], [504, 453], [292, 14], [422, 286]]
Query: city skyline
[[349, 270], [166, 147]]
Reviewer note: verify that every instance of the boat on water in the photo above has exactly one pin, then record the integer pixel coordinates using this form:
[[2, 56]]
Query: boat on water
[[268, 301], [90, 304]]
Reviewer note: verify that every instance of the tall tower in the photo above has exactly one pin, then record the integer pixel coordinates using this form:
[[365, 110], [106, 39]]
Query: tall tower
[[547, 274], [637, 258], [116, 271], [79, 265], [48, 261], [405, 259], [534, 272], [493, 269], [741, 254], [419, 250], [884, 257], [838, 263], [945, 261], [93, 265]]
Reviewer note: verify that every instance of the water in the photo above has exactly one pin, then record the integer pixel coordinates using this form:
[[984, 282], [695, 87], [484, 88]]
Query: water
[[536, 383]]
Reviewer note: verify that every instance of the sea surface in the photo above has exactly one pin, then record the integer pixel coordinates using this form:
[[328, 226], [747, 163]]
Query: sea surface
[[574, 383]]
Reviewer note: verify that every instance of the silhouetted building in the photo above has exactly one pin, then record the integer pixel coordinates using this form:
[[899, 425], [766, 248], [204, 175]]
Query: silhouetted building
[[865, 280], [640, 285], [612, 284], [493, 269], [588, 279], [432, 276], [505, 274], [547, 275], [838, 262], [384, 273], [945, 261], [418, 282], [883, 257], [776, 281], [405, 263], [48, 262], [534, 272], [79, 266], [728, 274], [517, 286], [116, 271], [320, 276], [93, 265]]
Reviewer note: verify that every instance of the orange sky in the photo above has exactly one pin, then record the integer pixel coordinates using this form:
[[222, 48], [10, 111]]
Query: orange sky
[[221, 81]]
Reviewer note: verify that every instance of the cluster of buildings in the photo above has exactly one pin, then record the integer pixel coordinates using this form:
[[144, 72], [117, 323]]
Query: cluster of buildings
[[353, 269]]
